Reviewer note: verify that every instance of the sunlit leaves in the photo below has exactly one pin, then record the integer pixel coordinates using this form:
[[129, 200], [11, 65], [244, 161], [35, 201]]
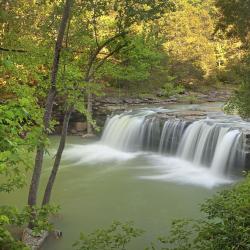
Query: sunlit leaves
[[116, 236]]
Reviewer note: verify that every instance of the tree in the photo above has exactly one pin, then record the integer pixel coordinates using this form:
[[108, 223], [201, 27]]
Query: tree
[[20, 126], [106, 25], [133, 67], [32, 198], [235, 18], [235, 21], [99, 41], [187, 37]]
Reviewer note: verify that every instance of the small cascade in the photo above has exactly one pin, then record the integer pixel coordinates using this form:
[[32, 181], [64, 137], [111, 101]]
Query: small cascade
[[226, 153], [122, 132], [150, 134], [131, 131], [200, 141], [214, 143], [171, 135]]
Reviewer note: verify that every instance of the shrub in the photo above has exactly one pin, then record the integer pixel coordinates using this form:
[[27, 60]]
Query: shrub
[[117, 236], [170, 89]]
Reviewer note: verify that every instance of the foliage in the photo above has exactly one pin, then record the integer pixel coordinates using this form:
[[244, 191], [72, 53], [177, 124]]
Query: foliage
[[116, 236], [19, 133], [170, 89], [191, 99], [7, 242], [235, 21], [134, 64], [10, 216], [240, 101], [235, 18], [187, 35]]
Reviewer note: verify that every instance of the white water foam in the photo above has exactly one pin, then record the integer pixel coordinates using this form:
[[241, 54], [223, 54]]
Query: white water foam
[[96, 153], [169, 169], [173, 169]]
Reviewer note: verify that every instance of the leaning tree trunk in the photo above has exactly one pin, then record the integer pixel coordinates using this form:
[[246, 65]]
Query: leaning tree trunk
[[48, 190], [32, 198]]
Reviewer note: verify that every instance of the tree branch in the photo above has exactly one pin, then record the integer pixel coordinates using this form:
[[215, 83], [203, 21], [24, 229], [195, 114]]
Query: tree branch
[[98, 50], [13, 50], [118, 48]]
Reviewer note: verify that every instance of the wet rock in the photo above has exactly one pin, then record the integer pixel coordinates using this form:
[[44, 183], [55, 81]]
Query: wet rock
[[79, 126], [73, 131]]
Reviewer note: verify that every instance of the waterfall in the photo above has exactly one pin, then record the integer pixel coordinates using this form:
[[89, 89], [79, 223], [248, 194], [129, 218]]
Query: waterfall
[[150, 134], [122, 132], [200, 140], [171, 135], [226, 153], [131, 131], [213, 143]]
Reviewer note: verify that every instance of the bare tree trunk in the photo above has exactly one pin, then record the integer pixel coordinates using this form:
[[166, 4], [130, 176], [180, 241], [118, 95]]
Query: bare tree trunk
[[32, 198], [48, 190], [89, 109]]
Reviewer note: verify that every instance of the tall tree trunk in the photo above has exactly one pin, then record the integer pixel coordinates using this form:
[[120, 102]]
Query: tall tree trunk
[[48, 190], [40, 151], [89, 109], [32, 198]]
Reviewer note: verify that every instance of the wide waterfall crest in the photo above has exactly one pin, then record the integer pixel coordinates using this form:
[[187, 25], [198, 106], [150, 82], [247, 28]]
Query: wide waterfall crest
[[214, 142]]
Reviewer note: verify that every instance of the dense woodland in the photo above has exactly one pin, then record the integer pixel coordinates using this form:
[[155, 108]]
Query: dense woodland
[[73, 50]]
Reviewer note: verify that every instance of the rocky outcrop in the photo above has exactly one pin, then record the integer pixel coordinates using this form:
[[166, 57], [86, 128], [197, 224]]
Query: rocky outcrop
[[106, 105]]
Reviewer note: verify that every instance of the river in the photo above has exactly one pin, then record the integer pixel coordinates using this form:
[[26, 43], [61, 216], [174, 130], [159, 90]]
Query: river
[[98, 184]]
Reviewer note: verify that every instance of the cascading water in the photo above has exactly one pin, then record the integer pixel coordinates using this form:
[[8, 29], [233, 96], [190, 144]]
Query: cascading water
[[213, 142], [226, 154], [132, 131], [171, 135]]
